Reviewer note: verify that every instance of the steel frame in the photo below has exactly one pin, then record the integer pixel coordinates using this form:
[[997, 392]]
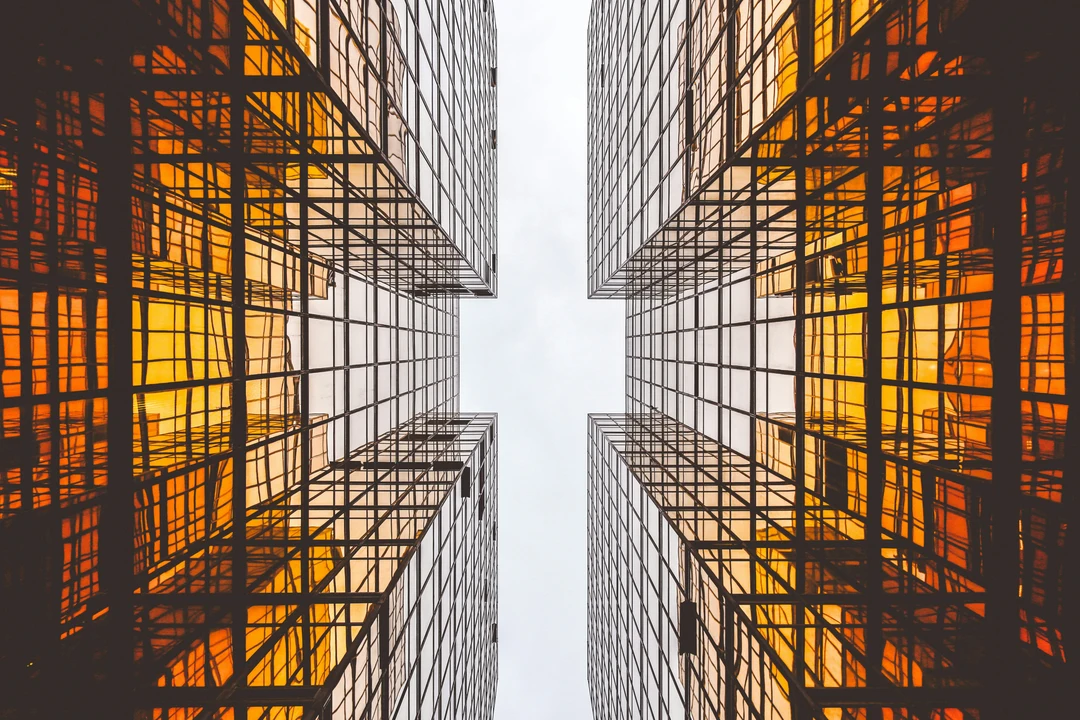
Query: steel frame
[[287, 536], [865, 233]]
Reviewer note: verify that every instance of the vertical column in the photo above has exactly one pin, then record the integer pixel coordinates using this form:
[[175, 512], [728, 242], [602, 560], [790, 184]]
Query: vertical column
[[1004, 496], [118, 510], [872, 366], [804, 15], [304, 423], [239, 420]]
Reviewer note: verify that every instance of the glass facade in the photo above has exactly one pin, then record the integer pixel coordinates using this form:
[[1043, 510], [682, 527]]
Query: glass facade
[[250, 224], [839, 229]]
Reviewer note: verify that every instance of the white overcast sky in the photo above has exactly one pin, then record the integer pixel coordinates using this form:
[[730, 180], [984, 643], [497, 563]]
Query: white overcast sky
[[542, 356]]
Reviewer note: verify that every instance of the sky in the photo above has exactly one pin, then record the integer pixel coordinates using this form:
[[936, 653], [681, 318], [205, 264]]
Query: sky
[[543, 356]]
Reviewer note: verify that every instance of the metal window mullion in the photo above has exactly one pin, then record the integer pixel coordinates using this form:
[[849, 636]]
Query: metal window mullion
[[118, 511], [239, 421], [805, 71], [1004, 497]]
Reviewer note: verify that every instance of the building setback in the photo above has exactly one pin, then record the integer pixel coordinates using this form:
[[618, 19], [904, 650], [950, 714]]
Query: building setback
[[840, 488], [234, 478]]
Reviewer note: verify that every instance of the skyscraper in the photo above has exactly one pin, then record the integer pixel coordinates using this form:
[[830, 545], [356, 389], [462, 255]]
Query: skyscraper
[[841, 487], [234, 478]]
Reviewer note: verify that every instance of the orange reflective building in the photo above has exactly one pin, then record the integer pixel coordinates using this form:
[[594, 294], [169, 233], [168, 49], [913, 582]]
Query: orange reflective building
[[234, 480], [841, 488]]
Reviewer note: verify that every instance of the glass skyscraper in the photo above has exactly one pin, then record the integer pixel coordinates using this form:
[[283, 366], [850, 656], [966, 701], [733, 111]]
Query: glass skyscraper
[[234, 478], [840, 489]]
